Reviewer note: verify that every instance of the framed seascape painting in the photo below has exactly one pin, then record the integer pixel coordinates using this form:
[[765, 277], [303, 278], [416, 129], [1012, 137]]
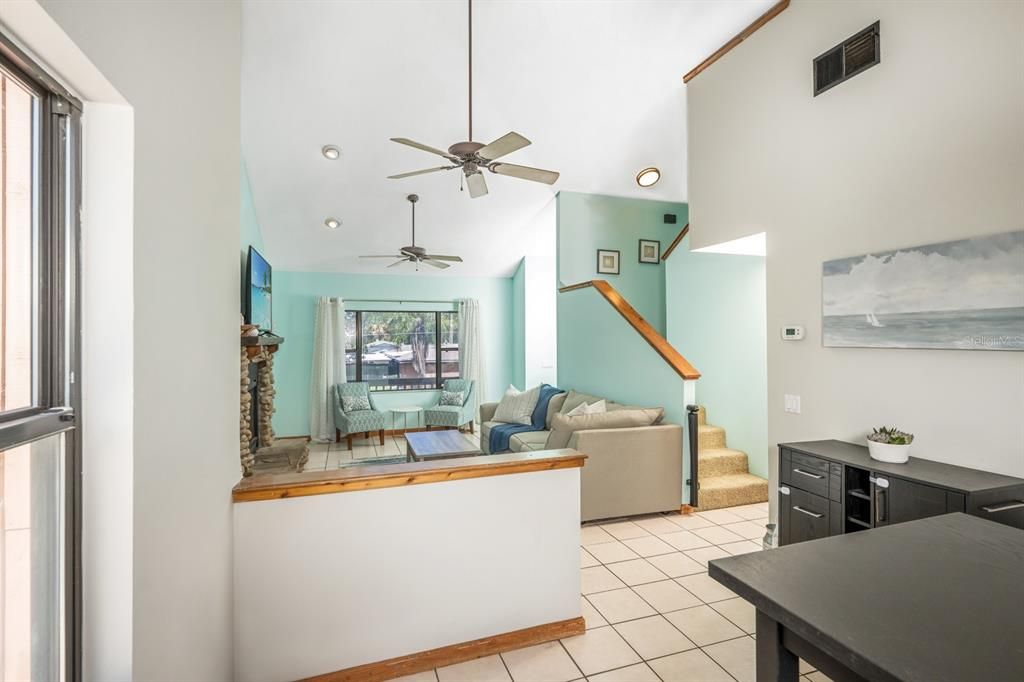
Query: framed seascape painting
[[966, 294]]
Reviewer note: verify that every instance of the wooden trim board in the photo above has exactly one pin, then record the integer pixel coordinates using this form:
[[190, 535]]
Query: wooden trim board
[[675, 242], [455, 653], [772, 12], [372, 476], [658, 342]]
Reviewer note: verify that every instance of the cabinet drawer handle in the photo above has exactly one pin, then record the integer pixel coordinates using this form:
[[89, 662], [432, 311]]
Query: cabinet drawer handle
[[807, 474], [809, 513], [1005, 506]]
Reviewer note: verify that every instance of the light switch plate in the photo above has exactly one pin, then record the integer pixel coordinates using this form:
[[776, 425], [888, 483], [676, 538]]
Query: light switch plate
[[792, 404]]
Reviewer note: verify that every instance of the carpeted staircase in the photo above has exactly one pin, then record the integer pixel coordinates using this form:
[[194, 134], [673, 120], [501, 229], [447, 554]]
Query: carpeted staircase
[[725, 480]]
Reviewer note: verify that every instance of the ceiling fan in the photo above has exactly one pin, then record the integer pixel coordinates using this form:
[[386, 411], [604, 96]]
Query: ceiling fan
[[417, 254], [473, 157]]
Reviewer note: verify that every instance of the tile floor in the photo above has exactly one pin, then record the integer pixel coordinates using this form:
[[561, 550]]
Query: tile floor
[[652, 612], [329, 455]]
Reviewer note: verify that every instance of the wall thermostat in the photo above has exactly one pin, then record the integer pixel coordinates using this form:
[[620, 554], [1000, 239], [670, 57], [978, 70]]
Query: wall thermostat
[[792, 332]]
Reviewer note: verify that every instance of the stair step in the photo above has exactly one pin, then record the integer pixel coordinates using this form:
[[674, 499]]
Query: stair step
[[720, 462], [710, 437], [731, 490], [702, 416]]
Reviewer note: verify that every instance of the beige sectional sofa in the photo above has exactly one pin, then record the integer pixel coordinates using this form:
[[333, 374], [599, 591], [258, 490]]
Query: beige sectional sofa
[[629, 470]]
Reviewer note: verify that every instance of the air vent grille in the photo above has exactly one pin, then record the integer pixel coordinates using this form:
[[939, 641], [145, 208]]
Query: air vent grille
[[844, 61]]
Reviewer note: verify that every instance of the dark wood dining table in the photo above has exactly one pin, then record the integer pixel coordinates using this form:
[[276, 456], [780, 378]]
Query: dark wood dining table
[[935, 600]]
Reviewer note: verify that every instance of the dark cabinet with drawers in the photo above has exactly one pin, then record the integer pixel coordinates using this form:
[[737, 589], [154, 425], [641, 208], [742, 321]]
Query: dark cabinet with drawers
[[831, 487]]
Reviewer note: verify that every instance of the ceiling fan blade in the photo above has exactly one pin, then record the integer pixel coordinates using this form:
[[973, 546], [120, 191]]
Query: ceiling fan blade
[[435, 263], [420, 172], [453, 259], [525, 172], [419, 145], [477, 184], [506, 144], [398, 256], [398, 262]]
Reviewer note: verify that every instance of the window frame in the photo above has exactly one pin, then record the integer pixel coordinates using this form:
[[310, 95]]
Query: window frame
[[439, 379], [56, 388]]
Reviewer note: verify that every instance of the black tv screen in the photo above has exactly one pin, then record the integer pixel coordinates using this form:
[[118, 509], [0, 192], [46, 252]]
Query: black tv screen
[[258, 310]]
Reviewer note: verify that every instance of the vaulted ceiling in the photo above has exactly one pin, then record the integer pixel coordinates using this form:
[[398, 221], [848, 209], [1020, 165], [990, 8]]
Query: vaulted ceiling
[[595, 85]]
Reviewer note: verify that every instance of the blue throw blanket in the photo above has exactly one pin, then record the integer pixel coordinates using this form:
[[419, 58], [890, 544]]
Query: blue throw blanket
[[502, 433]]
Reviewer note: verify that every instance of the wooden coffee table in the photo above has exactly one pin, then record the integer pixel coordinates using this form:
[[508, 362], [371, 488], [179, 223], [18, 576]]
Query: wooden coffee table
[[424, 445]]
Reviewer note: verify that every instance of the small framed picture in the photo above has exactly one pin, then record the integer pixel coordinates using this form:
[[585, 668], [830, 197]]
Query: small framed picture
[[607, 262], [650, 251]]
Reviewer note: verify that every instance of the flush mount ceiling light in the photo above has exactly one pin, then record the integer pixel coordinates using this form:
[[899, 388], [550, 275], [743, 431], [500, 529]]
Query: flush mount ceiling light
[[331, 152], [648, 176], [332, 223]]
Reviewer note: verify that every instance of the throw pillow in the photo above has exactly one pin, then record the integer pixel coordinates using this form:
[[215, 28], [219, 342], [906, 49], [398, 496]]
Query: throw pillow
[[518, 408], [452, 398], [512, 391], [554, 405], [355, 403], [597, 407], [563, 426], [574, 399]]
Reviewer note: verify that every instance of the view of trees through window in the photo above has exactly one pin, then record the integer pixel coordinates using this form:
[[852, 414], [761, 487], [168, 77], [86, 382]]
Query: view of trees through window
[[399, 350]]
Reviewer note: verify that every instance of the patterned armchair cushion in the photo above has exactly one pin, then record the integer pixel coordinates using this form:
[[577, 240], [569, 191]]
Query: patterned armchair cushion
[[454, 398], [365, 419], [355, 403], [444, 415], [457, 414]]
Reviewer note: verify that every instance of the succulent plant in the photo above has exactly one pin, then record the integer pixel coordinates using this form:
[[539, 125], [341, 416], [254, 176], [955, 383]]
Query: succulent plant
[[891, 435]]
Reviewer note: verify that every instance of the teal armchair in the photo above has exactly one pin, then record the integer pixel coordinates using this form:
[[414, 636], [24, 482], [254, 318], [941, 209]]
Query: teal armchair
[[357, 421], [449, 416]]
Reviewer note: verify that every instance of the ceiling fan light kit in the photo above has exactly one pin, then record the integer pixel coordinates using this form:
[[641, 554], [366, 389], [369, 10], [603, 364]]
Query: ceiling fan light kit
[[473, 157], [417, 254]]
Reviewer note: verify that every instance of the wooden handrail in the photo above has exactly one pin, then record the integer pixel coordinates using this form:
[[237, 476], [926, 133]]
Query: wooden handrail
[[658, 342], [675, 242], [772, 12]]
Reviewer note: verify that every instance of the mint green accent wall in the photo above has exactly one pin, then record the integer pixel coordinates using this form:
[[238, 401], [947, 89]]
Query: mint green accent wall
[[717, 320], [519, 326], [588, 222], [295, 295], [601, 354]]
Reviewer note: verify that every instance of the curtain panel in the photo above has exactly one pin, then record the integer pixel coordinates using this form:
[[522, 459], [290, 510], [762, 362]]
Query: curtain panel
[[328, 366]]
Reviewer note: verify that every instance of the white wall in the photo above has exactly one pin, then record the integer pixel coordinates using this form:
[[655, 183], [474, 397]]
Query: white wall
[[329, 582], [925, 147], [177, 65], [541, 290]]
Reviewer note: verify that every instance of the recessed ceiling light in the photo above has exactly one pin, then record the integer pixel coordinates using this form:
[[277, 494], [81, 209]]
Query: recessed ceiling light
[[331, 152], [648, 176], [332, 223]]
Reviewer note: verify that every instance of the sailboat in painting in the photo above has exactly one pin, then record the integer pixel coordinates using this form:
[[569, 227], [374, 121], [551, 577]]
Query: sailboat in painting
[[873, 321]]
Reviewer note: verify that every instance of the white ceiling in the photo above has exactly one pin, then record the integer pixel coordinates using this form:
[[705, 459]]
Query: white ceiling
[[596, 85]]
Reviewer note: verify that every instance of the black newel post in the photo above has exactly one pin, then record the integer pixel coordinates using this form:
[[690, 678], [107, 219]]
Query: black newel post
[[693, 480]]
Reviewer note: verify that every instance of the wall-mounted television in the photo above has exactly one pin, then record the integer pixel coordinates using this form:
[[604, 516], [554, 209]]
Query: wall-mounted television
[[258, 309]]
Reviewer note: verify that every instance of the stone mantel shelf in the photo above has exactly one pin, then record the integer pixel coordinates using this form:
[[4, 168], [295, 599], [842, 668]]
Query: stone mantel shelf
[[262, 340]]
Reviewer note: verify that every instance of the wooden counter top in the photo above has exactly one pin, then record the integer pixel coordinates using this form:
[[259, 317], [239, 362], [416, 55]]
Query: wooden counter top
[[284, 485]]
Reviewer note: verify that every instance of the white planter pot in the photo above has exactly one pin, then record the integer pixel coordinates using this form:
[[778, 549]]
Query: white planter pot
[[887, 452]]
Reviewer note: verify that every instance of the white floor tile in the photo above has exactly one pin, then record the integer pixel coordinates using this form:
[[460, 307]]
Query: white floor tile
[[486, 669], [610, 552], [632, 673], [656, 525], [666, 596], [684, 540], [703, 625], [636, 572], [546, 662], [598, 579], [620, 605], [599, 650], [739, 611], [587, 559], [717, 535], [649, 546], [706, 554], [592, 535], [720, 516], [624, 530], [653, 637], [737, 656], [706, 588], [818, 676], [591, 616], [742, 547], [690, 521], [676, 564], [750, 511], [747, 529], [689, 666]]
